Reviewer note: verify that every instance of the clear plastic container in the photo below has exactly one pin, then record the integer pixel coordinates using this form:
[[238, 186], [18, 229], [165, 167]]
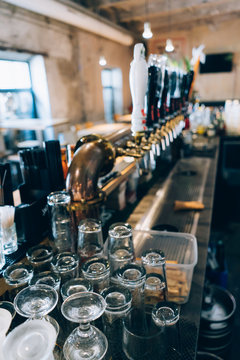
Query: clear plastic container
[[181, 255]]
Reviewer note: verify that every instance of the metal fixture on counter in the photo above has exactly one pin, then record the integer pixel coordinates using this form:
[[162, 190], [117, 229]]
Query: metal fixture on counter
[[95, 156]]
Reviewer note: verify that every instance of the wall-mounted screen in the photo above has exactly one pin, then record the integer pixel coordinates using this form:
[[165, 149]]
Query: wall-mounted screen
[[216, 63]]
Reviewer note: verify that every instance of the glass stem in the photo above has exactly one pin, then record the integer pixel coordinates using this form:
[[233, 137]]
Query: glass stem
[[85, 329]]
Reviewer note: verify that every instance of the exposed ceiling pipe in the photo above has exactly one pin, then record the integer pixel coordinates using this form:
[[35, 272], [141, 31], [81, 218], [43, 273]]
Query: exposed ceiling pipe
[[76, 15]]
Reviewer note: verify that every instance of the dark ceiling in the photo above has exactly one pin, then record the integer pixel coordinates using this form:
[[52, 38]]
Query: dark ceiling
[[163, 14]]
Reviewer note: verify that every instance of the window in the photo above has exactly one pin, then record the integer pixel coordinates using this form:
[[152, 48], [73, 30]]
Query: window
[[112, 92], [16, 95]]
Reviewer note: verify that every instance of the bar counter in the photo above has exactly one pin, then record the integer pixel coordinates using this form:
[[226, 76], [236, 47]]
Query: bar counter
[[192, 178]]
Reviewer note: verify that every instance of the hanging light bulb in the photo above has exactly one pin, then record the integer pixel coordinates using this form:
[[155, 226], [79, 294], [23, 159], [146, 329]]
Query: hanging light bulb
[[147, 34], [102, 61], [169, 46]]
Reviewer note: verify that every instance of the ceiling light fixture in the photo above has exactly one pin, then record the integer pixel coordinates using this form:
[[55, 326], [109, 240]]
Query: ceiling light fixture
[[169, 45], [147, 33], [102, 61]]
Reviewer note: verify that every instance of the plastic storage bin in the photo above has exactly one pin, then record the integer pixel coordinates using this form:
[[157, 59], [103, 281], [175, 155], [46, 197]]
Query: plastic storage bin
[[181, 255]]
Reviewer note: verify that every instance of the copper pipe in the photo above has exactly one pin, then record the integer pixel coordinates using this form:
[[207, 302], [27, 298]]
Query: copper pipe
[[94, 157]]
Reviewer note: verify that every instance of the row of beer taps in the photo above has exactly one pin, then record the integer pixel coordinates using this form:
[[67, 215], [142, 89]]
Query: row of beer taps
[[159, 93]]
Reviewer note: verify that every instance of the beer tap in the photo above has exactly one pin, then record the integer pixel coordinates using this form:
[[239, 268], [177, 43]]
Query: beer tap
[[162, 131], [138, 78], [176, 122]]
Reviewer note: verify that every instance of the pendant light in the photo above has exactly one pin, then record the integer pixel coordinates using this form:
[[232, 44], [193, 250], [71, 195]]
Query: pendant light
[[147, 33], [102, 60], [169, 45]]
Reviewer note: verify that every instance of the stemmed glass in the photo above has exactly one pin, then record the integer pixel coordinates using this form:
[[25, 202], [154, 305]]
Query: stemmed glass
[[32, 340], [36, 301], [86, 341]]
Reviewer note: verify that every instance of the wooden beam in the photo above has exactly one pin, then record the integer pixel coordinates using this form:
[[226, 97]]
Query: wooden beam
[[73, 14], [188, 24], [159, 9], [104, 4]]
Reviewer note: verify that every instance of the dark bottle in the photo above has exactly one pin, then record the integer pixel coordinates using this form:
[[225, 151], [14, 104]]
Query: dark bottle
[[6, 188]]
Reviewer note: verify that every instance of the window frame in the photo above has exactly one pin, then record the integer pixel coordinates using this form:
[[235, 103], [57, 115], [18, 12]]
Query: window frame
[[30, 90]]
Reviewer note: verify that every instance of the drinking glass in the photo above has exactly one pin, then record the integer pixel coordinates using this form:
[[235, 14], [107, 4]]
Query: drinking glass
[[97, 271], [154, 262], [166, 314], [67, 265], [2, 257], [132, 277], [7, 305], [50, 278], [154, 289], [120, 245], [74, 286], [118, 303], [17, 276], [90, 240], [36, 301], [33, 340], [40, 257], [8, 232], [86, 341], [5, 321], [7, 313], [142, 339], [61, 220]]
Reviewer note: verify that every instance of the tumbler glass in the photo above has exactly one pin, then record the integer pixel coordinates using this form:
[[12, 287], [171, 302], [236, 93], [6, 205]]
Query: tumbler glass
[[97, 271], [40, 257], [154, 289], [166, 314], [154, 262], [50, 278], [142, 339], [33, 340], [8, 232], [118, 303], [74, 286], [67, 265], [61, 220], [90, 240], [120, 245], [132, 277], [17, 276]]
